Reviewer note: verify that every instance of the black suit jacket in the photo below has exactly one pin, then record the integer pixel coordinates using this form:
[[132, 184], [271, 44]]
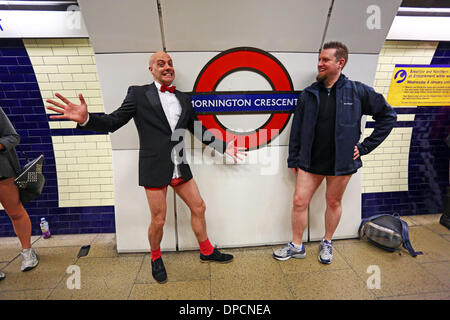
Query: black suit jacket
[[142, 103]]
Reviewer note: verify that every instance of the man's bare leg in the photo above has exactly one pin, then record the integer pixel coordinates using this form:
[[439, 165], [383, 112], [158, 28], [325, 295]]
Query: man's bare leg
[[190, 194], [336, 186], [307, 184], [157, 203]]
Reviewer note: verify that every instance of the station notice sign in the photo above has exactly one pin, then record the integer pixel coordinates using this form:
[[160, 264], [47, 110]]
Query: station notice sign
[[420, 85]]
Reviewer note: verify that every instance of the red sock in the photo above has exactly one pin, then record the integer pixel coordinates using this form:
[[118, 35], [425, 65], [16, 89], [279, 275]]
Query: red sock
[[205, 247], [155, 254]]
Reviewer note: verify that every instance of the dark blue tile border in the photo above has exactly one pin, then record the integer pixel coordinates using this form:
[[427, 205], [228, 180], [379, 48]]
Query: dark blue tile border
[[70, 220]]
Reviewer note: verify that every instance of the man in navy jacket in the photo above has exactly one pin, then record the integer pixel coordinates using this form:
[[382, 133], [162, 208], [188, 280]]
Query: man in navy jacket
[[324, 143]]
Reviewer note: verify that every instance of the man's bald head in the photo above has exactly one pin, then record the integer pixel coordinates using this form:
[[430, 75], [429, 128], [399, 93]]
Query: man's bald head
[[161, 66], [157, 55]]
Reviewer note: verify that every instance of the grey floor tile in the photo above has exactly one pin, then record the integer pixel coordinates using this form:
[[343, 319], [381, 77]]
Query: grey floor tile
[[399, 274], [440, 270], [65, 240], [251, 287], [438, 228], [100, 278], [253, 274], [425, 219], [443, 295], [104, 245], [175, 290], [40, 294], [53, 263], [246, 263], [10, 247], [433, 246], [329, 285]]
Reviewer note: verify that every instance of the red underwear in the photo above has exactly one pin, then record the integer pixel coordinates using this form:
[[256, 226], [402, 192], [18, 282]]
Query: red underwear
[[175, 182]]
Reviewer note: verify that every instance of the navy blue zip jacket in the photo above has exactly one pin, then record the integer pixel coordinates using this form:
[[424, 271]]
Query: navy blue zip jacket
[[353, 100]]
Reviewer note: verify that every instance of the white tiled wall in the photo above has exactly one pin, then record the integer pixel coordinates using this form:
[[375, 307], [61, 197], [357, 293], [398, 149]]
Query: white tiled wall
[[386, 168], [83, 162]]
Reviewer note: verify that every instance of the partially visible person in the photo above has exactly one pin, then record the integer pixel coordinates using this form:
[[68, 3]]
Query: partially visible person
[[9, 194]]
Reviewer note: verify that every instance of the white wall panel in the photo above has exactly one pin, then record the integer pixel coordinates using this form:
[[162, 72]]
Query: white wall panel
[[361, 67], [131, 208], [351, 22], [351, 211], [216, 25], [116, 73], [122, 26], [246, 204], [302, 68]]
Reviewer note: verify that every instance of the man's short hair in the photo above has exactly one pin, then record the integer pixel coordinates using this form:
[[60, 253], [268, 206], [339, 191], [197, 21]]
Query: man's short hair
[[341, 50]]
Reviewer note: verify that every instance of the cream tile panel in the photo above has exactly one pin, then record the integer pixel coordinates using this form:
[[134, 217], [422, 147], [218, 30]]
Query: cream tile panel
[[83, 178], [384, 168], [66, 66]]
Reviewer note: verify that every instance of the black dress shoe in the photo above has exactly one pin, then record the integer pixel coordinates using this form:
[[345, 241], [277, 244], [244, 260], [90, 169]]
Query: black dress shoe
[[216, 256], [159, 271]]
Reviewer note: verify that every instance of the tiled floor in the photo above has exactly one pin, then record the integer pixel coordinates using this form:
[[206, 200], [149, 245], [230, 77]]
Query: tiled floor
[[253, 275]]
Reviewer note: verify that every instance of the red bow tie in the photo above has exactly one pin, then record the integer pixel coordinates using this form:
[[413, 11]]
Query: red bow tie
[[165, 88]]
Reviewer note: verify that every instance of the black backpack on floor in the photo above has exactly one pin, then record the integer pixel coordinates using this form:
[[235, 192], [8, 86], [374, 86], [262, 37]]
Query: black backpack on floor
[[387, 232]]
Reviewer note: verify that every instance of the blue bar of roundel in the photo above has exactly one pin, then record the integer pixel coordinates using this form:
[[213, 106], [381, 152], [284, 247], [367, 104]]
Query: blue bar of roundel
[[246, 102]]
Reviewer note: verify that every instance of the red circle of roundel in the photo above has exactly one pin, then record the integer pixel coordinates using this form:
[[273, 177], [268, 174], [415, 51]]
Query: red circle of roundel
[[241, 59]]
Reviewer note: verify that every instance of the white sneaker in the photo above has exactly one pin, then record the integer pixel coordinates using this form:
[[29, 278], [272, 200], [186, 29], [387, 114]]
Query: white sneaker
[[29, 259], [326, 252], [2, 275], [290, 251]]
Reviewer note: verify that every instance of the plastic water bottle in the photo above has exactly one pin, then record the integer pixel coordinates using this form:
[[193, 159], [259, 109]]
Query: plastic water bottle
[[45, 229]]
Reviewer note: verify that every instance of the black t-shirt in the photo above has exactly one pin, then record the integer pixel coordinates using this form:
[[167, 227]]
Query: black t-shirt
[[323, 152]]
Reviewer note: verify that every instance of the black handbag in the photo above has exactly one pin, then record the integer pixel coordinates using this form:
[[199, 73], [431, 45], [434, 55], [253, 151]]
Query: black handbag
[[30, 181]]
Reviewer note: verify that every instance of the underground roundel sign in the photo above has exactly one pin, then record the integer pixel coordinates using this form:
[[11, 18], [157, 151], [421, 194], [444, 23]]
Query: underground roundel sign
[[278, 103]]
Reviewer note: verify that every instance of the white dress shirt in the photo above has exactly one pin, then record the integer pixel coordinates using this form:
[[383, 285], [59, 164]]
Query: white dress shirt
[[172, 110]]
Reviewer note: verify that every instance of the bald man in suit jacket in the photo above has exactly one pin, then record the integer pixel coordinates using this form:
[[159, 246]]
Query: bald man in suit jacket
[[158, 110]]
